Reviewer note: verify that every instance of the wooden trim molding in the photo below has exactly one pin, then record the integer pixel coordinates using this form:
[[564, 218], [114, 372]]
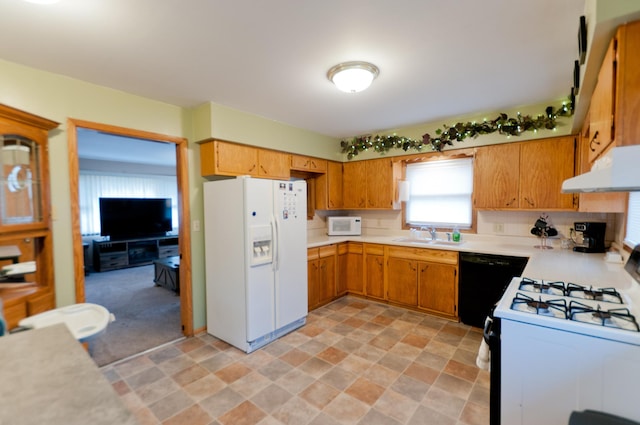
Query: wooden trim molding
[[186, 294]]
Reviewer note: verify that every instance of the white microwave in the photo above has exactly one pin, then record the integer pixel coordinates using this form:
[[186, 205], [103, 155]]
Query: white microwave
[[344, 226]]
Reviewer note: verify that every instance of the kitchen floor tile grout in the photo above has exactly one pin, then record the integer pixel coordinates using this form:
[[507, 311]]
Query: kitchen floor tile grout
[[356, 361]]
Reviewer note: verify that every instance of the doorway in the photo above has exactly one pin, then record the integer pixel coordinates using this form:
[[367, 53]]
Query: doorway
[[184, 238]]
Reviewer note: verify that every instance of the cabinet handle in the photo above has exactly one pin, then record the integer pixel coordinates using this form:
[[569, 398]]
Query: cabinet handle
[[594, 141], [511, 202], [531, 203], [263, 170], [253, 167]]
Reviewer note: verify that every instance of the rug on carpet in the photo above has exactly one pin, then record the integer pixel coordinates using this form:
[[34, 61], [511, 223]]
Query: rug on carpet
[[146, 315]]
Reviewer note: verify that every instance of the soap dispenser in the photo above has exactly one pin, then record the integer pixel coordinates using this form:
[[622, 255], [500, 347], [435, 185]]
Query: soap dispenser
[[456, 234]]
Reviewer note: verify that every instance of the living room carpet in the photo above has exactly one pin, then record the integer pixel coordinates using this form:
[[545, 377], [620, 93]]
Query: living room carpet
[[147, 315]]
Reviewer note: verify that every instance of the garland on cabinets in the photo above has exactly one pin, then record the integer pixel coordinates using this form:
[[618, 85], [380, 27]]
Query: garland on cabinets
[[503, 124]]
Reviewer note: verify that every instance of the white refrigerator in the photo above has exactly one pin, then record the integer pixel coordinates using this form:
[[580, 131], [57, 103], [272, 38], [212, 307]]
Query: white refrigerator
[[256, 259]]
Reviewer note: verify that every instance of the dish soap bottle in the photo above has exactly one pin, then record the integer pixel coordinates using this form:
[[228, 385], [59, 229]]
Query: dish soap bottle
[[456, 234]]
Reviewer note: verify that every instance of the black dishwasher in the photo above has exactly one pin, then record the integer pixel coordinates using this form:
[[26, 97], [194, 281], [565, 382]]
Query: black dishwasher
[[483, 280]]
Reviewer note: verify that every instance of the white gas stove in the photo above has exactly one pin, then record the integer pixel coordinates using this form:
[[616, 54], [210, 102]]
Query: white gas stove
[[569, 347]]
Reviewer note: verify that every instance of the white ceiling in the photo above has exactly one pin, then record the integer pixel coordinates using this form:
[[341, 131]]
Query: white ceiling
[[437, 58]]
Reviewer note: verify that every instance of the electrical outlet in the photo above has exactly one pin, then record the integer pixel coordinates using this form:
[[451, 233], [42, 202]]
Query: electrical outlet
[[195, 225], [498, 227]]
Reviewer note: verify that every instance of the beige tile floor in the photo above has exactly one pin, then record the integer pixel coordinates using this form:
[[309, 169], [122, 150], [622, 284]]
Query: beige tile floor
[[354, 362]]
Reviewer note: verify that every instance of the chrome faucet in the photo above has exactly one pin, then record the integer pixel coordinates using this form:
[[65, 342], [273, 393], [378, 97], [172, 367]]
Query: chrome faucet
[[434, 233]]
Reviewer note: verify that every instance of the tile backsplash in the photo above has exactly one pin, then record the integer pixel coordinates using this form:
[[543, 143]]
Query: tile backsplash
[[498, 223]]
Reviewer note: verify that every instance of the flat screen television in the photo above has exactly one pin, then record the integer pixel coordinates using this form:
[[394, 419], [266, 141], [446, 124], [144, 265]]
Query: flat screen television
[[129, 218]]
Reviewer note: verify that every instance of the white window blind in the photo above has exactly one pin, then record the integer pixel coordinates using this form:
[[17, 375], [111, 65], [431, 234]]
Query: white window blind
[[632, 237], [93, 186], [440, 193]]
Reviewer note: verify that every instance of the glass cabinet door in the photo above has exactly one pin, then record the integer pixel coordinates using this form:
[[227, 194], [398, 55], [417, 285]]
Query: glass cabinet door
[[20, 181]]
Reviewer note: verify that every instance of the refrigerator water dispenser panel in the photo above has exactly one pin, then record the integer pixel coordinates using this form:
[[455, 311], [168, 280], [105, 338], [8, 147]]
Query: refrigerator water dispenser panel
[[261, 245]]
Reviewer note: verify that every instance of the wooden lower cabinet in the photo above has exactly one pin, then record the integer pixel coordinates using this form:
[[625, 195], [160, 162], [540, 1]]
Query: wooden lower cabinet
[[374, 271], [354, 275], [322, 273], [438, 288], [423, 279], [402, 281]]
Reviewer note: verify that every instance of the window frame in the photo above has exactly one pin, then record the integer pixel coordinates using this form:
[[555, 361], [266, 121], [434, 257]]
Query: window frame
[[440, 156]]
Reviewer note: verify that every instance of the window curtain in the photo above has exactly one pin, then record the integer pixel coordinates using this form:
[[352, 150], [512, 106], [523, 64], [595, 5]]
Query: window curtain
[[93, 186], [440, 193], [633, 220]]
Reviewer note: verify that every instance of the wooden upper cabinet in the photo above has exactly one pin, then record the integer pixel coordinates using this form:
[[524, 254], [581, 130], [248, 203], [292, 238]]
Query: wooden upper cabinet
[[602, 108], [354, 185], [220, 158], [496, 177], [273, 164], [544, 165], [307, 163], [627, 85], [370, 184], [382, 175], [525, 175], [596, 201], [227, 159], [329, 187]]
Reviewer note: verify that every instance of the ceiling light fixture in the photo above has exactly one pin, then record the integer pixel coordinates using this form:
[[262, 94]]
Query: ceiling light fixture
[[352, 77]]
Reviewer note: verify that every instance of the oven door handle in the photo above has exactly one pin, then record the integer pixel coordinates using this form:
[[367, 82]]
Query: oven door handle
[[488, 325]]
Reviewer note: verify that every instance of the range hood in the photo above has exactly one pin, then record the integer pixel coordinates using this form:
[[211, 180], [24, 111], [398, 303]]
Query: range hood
[[617, 171]]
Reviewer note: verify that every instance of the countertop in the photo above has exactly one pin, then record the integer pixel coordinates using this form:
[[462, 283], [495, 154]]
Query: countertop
[[555, 264], [48, 378]]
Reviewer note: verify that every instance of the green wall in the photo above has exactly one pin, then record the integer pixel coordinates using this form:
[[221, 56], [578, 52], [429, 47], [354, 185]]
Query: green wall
[[58, 98]]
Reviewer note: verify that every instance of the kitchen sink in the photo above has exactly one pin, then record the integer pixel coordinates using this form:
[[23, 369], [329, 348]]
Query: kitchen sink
[[428, 241]]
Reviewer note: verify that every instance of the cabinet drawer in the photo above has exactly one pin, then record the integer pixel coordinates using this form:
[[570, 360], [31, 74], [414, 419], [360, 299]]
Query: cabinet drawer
[[354, 248], [327, 251], [114, 258], [167, 251], [13, 314], [423, 254], [41, 303], [313, 254], [343, 248], [374, 249]]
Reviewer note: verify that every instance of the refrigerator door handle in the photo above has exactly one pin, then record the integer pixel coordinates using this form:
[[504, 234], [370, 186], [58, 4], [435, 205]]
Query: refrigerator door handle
[[276, 246]]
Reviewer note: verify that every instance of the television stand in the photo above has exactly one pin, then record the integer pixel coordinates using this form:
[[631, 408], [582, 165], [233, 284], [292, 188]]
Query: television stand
[[123, 253]]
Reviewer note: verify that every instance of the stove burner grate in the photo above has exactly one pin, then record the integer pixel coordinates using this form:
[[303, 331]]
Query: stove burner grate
[[619, 318], [555, 288], [554, 308], [589, 293]]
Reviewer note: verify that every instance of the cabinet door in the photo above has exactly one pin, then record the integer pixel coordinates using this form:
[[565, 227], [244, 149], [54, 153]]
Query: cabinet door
[[312, 284], [379, 183], [597, 201], [317, 165], [374, 270], [355, 276], [343, 267], [496, 176], [334, 185], [544, 165], [233, 160], [354, 185], [602, 107], [326, 279], [437, 287], [329, 187], [273, 164], [402, 281]]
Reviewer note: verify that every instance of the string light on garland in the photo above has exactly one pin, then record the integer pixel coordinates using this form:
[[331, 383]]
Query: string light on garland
[[503, 124]]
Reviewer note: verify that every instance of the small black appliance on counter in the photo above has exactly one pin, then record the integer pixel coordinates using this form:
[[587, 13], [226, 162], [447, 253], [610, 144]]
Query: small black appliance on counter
[[589, 236]]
